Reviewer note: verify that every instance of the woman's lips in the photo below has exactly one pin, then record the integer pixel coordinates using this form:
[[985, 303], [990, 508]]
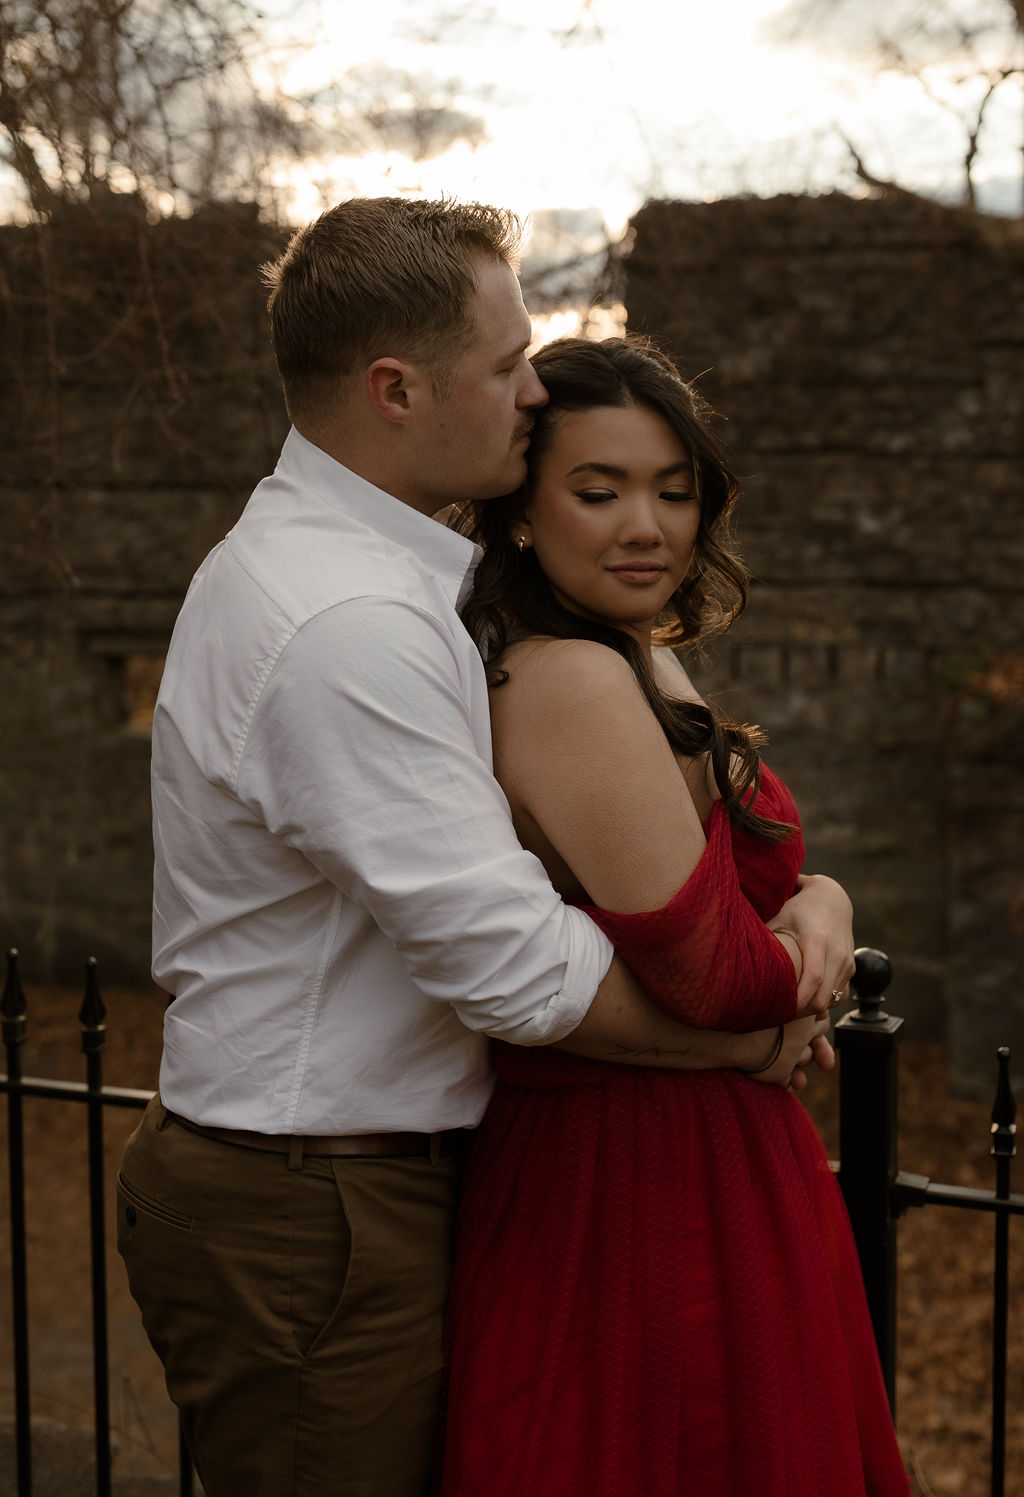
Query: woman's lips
[[638, 571]]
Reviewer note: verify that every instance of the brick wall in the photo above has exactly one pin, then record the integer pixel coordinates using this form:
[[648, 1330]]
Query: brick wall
[[869, 358], [140, 404]]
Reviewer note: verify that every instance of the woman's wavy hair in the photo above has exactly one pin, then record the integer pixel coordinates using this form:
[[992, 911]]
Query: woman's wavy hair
[[512, 597]]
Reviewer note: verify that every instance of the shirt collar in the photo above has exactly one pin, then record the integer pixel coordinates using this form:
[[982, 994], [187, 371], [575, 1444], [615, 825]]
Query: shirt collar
[[449, 557]]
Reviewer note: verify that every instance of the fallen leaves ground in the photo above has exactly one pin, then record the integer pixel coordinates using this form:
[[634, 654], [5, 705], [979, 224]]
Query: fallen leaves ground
[[945, 1262]]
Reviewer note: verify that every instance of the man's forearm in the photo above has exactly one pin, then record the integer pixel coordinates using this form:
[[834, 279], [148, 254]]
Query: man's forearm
[[623, 1025]]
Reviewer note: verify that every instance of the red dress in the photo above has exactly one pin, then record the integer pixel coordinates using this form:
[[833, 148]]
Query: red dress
[[656, 1289]]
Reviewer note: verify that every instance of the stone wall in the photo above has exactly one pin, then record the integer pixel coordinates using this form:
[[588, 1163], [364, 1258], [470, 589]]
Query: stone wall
[[869, 359], [140, 403]]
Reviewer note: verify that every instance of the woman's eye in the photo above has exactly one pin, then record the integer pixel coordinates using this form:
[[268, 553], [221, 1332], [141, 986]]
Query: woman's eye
[[678, 495], [594, 496]]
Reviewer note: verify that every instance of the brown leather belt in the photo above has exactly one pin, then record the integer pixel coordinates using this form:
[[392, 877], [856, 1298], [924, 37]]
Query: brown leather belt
[[330, 1145]]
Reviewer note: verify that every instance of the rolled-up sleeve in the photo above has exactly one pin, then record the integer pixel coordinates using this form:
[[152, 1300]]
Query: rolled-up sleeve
[[359, 752]]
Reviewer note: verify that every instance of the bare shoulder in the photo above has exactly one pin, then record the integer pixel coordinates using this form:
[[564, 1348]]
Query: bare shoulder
[[586, 765], [576, 668], [571, 701]]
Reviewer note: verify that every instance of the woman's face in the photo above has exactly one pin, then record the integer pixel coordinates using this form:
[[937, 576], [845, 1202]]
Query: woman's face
[[613, 515]]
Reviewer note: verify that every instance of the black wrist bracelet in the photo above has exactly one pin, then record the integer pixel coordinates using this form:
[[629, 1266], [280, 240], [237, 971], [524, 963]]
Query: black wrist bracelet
[[776, 1052]]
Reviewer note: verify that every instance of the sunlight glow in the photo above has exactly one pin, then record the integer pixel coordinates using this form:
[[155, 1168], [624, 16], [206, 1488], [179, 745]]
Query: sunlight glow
[[608, 103], [596, 106]]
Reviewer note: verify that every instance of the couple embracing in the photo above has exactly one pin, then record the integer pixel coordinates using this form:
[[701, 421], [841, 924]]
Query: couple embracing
[[470, 906]]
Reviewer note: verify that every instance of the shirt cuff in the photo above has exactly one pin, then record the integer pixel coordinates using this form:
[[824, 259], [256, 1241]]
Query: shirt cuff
[[590, 956]]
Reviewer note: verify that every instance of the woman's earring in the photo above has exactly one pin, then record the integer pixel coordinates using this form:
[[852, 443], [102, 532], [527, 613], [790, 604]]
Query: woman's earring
[[521, 543]]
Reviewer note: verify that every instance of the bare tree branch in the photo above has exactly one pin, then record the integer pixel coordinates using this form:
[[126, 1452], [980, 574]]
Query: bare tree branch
[[154, 97], [877, 184], [959, 52]]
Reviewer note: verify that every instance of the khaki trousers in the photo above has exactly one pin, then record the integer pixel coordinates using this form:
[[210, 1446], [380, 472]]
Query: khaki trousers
[[297, 1311]]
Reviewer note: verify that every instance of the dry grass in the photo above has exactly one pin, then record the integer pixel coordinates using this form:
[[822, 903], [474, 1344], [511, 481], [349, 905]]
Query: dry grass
[[945, 1262]]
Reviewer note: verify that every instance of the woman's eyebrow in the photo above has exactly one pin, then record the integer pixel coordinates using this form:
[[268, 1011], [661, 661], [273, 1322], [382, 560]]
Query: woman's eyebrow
[[610, 470]]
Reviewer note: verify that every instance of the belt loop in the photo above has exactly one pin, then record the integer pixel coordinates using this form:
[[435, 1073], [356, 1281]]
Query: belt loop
[[295, 1152], [434, 1152]]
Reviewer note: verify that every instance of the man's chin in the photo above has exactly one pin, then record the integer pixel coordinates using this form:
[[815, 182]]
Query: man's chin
[[506, 481], [513, 478]]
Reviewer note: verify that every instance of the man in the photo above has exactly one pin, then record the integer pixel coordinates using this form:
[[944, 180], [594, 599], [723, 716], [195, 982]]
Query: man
[[341, 908]]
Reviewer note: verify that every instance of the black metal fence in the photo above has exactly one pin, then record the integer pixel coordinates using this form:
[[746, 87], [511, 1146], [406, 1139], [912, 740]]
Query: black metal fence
[[877, 1192], [95, 1097]]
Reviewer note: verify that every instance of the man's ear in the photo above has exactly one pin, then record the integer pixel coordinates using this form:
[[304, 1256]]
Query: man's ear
[[391, 386]]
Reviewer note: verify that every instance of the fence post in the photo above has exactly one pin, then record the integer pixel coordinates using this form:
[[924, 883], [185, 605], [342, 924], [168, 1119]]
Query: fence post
[[1004, 1147], [91, 1018], [867, 1041], [13, 1007]]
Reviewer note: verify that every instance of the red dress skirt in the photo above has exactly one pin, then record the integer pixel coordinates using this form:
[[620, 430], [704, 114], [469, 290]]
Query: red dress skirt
[[656, 1289]]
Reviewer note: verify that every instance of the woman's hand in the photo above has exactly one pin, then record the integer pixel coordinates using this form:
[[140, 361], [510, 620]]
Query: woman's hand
[[819, 918]]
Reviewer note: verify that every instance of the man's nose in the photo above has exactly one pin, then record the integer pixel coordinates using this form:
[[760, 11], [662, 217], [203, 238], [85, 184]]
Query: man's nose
[[531, 392]]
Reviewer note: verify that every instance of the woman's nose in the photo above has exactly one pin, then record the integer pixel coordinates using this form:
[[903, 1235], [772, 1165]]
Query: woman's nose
[[641, 524]]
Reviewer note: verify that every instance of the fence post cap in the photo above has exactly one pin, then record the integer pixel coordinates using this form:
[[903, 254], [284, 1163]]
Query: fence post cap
[[872, 977], [1004, 1110]]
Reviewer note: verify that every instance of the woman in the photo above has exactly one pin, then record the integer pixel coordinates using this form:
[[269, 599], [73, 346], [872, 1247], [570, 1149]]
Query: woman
[[656, 1290]]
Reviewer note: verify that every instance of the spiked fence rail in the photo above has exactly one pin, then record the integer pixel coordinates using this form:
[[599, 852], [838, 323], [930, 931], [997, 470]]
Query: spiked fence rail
[[96, 1097]]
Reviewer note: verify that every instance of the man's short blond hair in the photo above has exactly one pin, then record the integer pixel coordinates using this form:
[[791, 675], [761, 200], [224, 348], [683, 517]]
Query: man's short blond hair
[[378, 276]]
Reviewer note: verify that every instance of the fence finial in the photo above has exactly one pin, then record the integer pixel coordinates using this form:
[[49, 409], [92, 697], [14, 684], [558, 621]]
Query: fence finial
[[872, 977], [12, 1004], [1004, 1110], [92, 1013]]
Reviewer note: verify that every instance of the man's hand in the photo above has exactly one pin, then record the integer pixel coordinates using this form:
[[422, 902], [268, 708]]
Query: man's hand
[[819, 918], [819, 1052], [804, 1041]]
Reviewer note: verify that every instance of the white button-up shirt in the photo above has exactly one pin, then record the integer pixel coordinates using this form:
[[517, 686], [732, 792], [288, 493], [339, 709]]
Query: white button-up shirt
[[341, 907]]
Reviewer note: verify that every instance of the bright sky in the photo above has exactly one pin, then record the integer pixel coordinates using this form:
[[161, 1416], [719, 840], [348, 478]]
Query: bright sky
[[601, 105]]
